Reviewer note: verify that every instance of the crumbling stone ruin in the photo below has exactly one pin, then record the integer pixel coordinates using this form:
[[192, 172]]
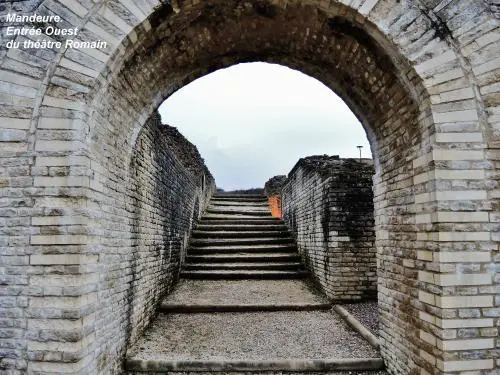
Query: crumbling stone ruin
[[170, 188], [327, 202]]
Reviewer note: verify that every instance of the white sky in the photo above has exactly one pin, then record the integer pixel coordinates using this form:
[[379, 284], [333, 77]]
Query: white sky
[[254, 121]]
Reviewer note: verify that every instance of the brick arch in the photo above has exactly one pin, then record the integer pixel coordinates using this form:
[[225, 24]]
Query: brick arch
[[435, 136], [313, 41]]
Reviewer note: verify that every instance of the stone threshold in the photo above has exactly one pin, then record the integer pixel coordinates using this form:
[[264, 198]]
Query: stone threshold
[[297, 365], [210, 308]]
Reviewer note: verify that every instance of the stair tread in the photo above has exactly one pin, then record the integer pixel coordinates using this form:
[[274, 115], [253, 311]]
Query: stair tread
[[292, 338], [238, 203], [241, 265], [246, 263], [244, 255], [240, 232], [222, 274], [252, 292], [238, 208], [240, 200], [224, 366], [233, 227], [237, 214], [290, 249], [243, 272], [237, 217], [241, 239], [250, 222], [232, 218], [239, 196], [236, 247]]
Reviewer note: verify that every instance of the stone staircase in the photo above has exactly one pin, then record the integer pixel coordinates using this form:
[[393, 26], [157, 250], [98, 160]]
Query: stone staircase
[[244, 304], [238, 238]]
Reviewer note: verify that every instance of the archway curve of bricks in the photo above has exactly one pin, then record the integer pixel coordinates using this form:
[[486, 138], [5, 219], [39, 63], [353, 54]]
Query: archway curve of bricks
[[422, 76]]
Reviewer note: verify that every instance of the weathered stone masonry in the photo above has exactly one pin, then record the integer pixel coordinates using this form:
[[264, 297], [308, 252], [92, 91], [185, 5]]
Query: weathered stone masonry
[[328, 204], [423, 78], [164, 191], [159, 196], [171, 187]]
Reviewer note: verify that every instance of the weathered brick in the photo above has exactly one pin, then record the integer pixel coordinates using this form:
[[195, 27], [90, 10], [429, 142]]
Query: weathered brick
[[328, 205]]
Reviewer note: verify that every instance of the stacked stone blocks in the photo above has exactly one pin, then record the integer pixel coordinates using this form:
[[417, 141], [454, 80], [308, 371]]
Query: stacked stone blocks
[[422, 76], [328, 204]]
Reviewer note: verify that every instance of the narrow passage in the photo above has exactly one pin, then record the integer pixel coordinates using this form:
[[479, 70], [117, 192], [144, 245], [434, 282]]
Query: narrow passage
[[245, 304]]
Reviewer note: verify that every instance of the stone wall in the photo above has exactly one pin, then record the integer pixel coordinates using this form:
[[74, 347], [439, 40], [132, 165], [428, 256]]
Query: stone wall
[[171, 187], [148, 211], [328, 204], [96, 294]]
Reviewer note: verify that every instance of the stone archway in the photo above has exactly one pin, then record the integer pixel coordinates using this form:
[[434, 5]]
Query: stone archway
[[421, 76]]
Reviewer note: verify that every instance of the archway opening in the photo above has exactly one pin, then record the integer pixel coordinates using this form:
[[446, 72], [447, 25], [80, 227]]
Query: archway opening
[[254, 121], [351, 58], [255, 124]]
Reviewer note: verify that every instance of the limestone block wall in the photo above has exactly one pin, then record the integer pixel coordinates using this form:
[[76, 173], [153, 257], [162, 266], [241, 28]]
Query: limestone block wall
[[170, 188], [328, 204], [93, 295]]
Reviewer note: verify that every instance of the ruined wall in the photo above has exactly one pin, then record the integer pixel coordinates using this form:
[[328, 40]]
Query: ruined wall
[[171, 186], [328, 204]]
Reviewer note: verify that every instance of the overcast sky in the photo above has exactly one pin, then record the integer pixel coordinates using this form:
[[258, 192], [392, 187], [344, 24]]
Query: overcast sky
[[254, 121]]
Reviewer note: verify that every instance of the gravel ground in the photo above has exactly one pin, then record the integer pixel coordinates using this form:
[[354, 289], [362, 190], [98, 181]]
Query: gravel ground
[[234, 292], [366, 313], [251, 336]]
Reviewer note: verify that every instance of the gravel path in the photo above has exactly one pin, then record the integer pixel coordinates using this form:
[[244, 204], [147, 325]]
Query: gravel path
[[234, 292], [251, 336], [366, 313]]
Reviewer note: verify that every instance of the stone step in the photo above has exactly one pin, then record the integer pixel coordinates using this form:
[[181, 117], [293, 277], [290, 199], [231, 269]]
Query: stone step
[[231, 220], [241, 227], [191, 296], [195, 242], [242, 249], [237, 212], [295, 341], [221, 366], [224, 203], [271, 265], [239, 234], [239, 207], [239, 200], [239, 196], [243, 274], [212, 216], [242, 308], [243, 257]]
